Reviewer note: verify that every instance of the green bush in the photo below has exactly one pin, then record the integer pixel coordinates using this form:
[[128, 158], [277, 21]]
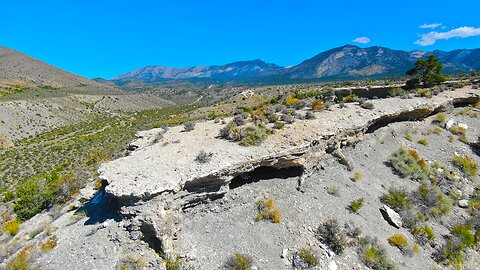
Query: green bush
[[407, 165], [254, 136], [423, 142], [397, 199], [308, 257], [11, 227], [398, 240], [239, 262], [355, 205], [466, 164], [374, 255]]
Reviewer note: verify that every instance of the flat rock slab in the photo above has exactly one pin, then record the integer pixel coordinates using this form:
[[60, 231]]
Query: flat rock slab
[[168, 164]]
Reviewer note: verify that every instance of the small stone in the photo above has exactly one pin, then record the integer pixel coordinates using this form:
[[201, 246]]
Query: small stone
[[463, 125], [332, 265], [463, 203], [449, 124]]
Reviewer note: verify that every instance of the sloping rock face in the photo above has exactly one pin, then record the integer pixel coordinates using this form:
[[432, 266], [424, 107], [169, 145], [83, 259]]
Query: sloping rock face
[[169, 166]]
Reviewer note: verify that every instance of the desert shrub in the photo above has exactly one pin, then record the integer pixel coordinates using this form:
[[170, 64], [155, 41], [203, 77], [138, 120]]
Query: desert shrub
[[11, 227], [173, 263], [267, 210], [32, 198], [280, 108], [203, 157], [357, 176], [254, 136], [21, 261], [291, 100], [367, 105], [408, 136], [239, 120], [457, 130], [397, 199], [424, 232], [398, 240], [465, 236], [441, 117], [309, 115], [189, 126], [50, 244], [466, 164], [318, 105], [299, 105], [355, 205], [350, 98], [374, 255], [287, 118], [271, 116], [307, 258], [462, 237], [239, 262], [424, 92], [396, 92], [331, 234], [278, 125], [423, 142], [404, 164], [434, 200], [334, 191]]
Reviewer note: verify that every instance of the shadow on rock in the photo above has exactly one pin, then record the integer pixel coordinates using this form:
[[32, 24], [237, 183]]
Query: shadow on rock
[[103, 206]]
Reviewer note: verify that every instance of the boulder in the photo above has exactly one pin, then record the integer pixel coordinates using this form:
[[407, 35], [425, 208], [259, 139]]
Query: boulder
[[392, 217], [463, 203]]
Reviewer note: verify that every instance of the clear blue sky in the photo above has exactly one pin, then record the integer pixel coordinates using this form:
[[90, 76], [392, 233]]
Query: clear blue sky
[[107, 38]]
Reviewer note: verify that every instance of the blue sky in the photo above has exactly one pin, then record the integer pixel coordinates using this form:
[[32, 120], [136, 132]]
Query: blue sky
[[107, 38]]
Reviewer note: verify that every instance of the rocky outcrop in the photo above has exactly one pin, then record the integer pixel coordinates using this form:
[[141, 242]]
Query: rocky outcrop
[[392, 217], [168, 165]]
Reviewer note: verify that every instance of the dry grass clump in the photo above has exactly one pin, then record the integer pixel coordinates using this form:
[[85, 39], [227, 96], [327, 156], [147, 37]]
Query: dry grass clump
[[50, 244], [318, 105], [457, 130], [22, 260], [267, 210], [334, 236], [357, 176]]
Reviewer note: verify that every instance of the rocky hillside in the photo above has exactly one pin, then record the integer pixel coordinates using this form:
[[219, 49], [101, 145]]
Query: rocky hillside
[[382, 184], [346, 62], [20, 73]]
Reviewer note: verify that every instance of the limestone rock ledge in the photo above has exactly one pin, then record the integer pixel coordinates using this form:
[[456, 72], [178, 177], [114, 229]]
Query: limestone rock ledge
[[169, 166]]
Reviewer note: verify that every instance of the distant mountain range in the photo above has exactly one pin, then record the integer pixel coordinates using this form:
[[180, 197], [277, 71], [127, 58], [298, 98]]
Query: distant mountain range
[[346, 62]]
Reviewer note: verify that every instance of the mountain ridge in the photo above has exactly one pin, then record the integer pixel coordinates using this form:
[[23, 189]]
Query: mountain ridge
[[345, 62]]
